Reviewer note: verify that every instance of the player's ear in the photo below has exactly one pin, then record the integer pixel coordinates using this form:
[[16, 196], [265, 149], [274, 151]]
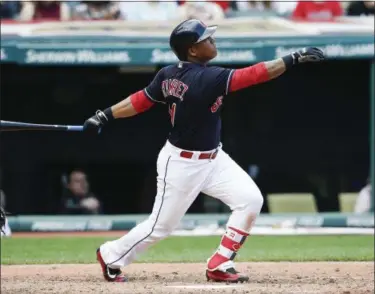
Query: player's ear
[[192, 51]]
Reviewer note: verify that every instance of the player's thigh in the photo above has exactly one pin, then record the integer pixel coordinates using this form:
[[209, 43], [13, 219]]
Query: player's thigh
[[178, 185], [232, 185]]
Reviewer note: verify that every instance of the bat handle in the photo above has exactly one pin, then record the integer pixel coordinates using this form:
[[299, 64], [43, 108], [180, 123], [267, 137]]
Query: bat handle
[[75, 128]]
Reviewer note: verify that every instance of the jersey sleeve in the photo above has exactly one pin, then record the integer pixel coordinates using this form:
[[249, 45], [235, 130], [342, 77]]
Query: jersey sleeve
[[153, 91], [217, 80]]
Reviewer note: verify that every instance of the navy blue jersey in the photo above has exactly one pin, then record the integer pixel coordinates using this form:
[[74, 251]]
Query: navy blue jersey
[[194, 95]]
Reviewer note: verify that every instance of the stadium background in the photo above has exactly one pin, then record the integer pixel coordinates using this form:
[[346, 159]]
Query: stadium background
[[307, 138], [306, 132], [313, 121]]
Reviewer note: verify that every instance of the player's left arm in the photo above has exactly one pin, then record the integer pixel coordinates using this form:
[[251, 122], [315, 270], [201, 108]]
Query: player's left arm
[[130, 106], [269, 70], [134, 104], [140, 101]]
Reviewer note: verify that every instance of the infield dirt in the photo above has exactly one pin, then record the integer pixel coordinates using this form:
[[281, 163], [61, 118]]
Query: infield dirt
[[265, 277]]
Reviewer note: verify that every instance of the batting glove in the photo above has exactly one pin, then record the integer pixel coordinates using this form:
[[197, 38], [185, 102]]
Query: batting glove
[[308, 54], [96, 122]]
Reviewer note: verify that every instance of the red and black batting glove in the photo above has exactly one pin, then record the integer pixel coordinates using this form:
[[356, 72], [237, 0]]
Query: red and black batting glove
[[308, 54], [98, 121]]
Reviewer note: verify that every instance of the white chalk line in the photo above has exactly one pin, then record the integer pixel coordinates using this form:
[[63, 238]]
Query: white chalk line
[[199, 286]]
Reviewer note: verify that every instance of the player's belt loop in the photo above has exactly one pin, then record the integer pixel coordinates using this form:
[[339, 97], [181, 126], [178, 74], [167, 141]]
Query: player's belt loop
[[213, 154]]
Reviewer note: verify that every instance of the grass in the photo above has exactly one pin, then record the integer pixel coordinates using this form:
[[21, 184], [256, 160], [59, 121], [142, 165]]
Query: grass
[[193, 249]]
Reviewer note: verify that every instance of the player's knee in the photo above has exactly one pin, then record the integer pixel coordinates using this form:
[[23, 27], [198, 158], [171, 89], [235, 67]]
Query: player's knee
[[254, 201], [246, 211]]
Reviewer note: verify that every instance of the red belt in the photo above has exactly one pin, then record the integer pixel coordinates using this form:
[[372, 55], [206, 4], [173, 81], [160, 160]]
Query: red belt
[[188, 154]]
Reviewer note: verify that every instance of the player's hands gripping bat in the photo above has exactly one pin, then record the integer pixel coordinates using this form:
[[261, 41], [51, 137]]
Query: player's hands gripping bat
[[96, 122], [308, 54]]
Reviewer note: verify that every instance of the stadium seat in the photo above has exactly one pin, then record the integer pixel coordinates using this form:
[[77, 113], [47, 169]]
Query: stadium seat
[[234, 14], [347, 201], [291, 202]]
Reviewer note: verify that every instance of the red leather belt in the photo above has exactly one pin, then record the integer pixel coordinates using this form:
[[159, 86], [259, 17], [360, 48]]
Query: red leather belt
[[188, 154]]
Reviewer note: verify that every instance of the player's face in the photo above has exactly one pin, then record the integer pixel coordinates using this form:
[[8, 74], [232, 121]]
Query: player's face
[[205, 51]]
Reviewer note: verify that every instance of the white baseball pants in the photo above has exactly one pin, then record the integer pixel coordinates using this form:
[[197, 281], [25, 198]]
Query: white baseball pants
[[179, 182]]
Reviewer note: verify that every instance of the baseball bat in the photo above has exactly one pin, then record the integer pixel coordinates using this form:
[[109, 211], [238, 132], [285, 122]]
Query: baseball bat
[[6, 126]]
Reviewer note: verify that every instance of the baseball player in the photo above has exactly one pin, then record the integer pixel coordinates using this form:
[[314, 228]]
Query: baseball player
[[192, 159]]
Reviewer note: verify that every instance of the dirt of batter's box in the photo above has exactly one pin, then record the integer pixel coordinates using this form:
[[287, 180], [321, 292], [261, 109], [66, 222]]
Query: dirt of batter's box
[[265, 277]]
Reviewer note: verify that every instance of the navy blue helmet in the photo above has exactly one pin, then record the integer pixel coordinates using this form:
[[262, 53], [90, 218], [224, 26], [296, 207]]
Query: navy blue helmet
[[188, 33]]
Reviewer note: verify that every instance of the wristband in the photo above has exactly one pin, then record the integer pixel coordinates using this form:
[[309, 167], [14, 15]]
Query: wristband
[[289, 61], [109, 114]]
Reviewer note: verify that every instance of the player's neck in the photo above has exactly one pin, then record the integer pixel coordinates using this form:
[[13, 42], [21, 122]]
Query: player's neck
[[196, 60]]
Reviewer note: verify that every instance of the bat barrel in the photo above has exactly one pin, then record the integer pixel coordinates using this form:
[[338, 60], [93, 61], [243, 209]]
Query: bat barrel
[[23, 126]]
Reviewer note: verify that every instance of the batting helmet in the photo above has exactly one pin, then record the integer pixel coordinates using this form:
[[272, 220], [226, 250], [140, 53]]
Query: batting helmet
[[188, 33]]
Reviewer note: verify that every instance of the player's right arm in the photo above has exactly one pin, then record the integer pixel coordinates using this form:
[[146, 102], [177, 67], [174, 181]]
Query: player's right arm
[[269, 70], [223, 81], [132, 105]]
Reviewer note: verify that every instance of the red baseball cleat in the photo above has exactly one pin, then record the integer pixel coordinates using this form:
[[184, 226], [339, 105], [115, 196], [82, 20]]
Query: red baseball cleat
[[110, 274], [230, 275]]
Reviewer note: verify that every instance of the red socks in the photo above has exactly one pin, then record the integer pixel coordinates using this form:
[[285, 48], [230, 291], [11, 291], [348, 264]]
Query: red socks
[[230, 243]]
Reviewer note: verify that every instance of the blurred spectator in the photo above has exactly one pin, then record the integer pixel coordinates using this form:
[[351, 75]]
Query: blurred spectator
[[96, 10], [44, 10], [225, 5], [202, 10], [9, 9], [317, 10], [262, 8], [363, 201], [149, 10], [284, 8], [77, 198], [254, 5], [357, 8], [6, 231]]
